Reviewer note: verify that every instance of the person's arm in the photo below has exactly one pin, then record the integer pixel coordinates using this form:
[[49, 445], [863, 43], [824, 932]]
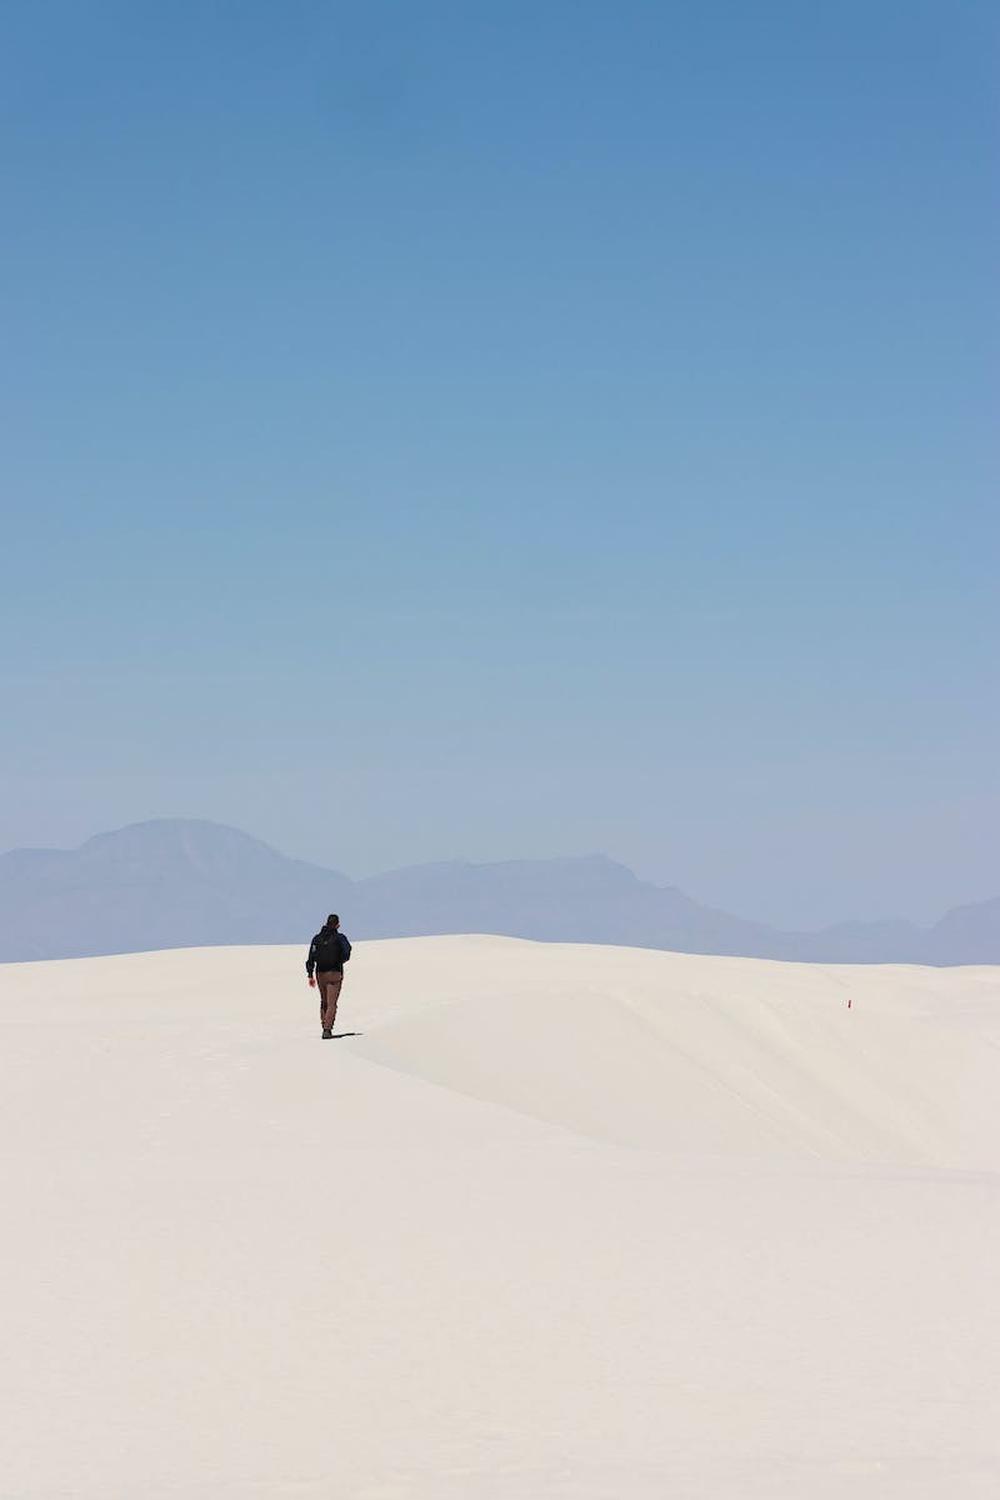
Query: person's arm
[[345, 948], [311, 960]]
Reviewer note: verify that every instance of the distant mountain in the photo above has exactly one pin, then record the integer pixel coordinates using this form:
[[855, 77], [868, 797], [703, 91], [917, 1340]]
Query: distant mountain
[[591, 899], [972, 931], [166, 884], [175, 883]]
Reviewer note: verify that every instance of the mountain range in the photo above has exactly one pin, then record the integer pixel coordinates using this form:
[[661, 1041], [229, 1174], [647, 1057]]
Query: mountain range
[[177, 883]]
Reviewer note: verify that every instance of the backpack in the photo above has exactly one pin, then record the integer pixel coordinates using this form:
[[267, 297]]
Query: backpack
[[332, 949]]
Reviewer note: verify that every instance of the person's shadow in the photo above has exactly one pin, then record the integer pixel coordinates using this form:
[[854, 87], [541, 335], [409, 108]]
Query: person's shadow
[[337, 1035]]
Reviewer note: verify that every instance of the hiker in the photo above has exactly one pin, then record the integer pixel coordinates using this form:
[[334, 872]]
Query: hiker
[[328, 953]]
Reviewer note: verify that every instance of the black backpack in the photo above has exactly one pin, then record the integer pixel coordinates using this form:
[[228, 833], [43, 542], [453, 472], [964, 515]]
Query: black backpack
[[332, 949]]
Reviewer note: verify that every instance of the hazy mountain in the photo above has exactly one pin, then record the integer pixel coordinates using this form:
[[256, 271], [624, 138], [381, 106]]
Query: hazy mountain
[[591, 899], [165, 884], [972, 931], [182, 883]]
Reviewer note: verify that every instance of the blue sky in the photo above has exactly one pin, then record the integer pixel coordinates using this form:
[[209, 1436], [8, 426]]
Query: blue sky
[[497, 429]]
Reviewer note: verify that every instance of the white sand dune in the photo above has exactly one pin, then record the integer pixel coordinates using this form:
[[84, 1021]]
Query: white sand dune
[[560, 1221]]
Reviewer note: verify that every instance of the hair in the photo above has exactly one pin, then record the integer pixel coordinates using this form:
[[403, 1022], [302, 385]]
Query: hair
[[333, 920]]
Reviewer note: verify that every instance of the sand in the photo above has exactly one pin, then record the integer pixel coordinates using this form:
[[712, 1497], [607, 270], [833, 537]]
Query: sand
[[556, 1221]]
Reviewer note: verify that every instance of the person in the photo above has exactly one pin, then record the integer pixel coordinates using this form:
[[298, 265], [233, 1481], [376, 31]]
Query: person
[[328, 953]]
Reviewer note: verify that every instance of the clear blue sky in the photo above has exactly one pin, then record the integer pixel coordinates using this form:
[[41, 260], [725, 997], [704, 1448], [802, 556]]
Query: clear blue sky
[[505, 429]]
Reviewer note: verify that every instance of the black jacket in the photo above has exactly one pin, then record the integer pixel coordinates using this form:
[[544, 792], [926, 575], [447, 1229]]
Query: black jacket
[[328, 953]]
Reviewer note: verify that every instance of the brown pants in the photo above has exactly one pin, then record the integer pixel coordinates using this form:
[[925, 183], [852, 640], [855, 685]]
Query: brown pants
[[328, 985]]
